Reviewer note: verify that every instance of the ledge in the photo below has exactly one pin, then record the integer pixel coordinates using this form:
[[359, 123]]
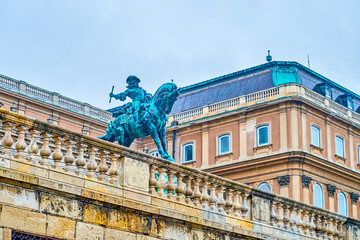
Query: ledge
[[224, 157], [340, 160], [263, 149], [316, 150]]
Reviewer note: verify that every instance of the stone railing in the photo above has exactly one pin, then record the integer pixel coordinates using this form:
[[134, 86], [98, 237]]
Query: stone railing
[[286, 90], [52, 153], [53, 98]]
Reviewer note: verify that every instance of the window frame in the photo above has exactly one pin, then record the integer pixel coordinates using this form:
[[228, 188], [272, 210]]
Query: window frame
[[345, 202], [343, 146], [257, 134], [322, 195], [219, 143], [183, 152], [314, 127], [264, 184]]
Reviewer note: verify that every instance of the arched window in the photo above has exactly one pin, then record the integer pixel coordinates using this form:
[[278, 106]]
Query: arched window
[[188, 152], [155, 153], [265, 187], [315, 136], [342, 206], [339, 146], [318, 196], [262, 135], [224, 144]]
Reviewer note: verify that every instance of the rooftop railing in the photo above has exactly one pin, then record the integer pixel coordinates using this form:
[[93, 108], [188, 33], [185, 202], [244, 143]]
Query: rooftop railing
[[287, 90], [50, 152], [53, 98]]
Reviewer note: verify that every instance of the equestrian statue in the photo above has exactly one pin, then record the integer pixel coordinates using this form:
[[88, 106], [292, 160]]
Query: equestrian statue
[[144, 116]]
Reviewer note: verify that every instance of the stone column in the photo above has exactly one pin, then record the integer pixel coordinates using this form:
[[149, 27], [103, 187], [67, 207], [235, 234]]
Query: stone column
[[284, 185], [331, 192], [328, 138], [304, 128], [306, 191], [296, 187], [294, 128], [283, 128], [242, 136], [205, 146], [354, 200]]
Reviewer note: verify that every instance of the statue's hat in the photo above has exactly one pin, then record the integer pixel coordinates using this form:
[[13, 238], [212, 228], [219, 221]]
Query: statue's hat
[[132, 78]]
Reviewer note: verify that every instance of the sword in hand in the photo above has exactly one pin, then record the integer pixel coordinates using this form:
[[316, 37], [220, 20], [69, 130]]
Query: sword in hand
[[112, 91]]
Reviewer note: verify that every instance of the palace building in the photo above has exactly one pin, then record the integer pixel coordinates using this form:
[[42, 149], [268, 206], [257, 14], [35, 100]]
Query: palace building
[[279, 127]]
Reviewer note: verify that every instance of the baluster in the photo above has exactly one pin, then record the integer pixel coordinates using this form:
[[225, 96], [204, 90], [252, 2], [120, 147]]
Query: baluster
[[237, 205], [161, 183], [33, 148], [188, 190], [341, 230], [272, 213], [103, 167], [205, 195], [299, 222], [152, 180], [280, 214], [7, 140], [330, 230], [312, 225], [57, 154], [317, 225], [292, 219], [244, 206], [324, 227], [221, 201], [286, 218], [69, 157], [45, 150], [92, 165], [336, 229], [229, 201], [180, 187], [197, 193], [170, 187], [20, 145], [306, 223], [80, 161], [113, 172], [213, 198]]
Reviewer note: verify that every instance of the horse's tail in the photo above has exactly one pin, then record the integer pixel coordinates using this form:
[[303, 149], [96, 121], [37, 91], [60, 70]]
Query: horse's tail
[[109, 136]]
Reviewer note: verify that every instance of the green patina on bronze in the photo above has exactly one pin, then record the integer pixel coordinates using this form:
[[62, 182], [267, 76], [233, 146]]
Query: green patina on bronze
[[144, 116]]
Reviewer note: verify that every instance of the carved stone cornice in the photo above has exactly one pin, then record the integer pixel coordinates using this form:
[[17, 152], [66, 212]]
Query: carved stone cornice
[[284, 180], [306, 181], [354, 197], [331, 190]]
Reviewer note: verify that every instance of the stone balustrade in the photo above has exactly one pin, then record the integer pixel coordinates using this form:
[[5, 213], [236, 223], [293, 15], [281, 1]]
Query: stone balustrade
[[268, 95], [53, 153]]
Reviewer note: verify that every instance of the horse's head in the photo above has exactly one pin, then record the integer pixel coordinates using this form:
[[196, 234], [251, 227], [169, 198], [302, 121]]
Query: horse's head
[[165, 97]]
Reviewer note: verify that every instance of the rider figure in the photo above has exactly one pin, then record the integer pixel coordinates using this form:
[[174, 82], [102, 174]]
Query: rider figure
[[138, 95]]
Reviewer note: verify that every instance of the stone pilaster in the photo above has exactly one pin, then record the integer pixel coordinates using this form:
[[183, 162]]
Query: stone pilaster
[[351, 148], [306, 191], [284, 185], [283, 128], [304, 128], [205, 146], [242, 137], [328, 138], [331, 192], [294, 128]]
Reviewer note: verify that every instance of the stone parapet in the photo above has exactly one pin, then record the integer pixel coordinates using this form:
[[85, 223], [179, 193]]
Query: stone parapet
[[58, 183]]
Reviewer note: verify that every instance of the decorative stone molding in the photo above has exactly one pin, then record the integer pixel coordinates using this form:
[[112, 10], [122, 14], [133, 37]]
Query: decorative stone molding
[[316, 150], [265, 149], [224, 157], [331, 190], [284, 180], [354, 197], [306, 181], [340, 160]]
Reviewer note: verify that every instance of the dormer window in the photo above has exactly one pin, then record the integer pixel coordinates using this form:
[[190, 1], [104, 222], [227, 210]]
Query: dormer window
[[346, 100], [323, 89]]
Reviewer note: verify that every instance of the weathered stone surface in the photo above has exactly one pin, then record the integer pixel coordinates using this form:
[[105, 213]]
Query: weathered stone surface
[[260, 209], [17, 196], [134, 174], [143, 237], [94, 214], [11, 174], [175, 232], [112, 234], [66, 177], [52, 184], [23, 220], [86, 231], [102, 187], [152, 226], [60, 206], [60, 227]]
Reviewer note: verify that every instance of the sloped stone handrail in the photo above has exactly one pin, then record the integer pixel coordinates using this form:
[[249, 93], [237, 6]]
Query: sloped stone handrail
[[55, 150]]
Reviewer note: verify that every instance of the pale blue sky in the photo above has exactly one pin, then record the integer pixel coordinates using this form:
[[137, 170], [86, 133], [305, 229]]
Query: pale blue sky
[[80, 48]]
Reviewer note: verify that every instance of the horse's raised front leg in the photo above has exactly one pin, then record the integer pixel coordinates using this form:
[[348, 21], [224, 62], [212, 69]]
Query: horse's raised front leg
[[154, 135], [165, 155]]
